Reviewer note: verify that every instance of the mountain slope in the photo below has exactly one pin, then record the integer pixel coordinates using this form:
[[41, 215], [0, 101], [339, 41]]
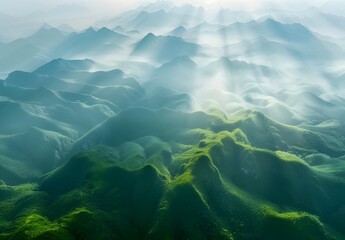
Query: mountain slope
[[90, 42], [47, 38], [163, 48], [180, 75], [183, 183]]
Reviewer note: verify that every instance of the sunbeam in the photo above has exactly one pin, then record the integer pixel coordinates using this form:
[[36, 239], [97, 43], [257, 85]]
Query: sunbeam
[[172, 119]]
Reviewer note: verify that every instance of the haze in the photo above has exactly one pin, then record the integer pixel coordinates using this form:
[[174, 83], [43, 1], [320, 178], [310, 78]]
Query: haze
[[172, 121], [18, 7]]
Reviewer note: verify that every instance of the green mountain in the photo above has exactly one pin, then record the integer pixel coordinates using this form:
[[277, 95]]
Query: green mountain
[[46, 111], [171, 122], [43, 115], [174, 175]]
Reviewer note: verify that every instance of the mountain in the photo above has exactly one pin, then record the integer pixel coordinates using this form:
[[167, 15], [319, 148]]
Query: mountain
[[137, 69], [27, 23], [107, 34], [31, 56], [121, 92], [119, 29], [263, 47], [178, 32], [180, 75], [134, 162], [46, 44], [172, 122], [176, 65], [78, 71], [319, 21], [205, 26], [318, 107], [296, 38], [62, 66], [236, 74], [249, 122], [272, 30], [47, 38], [168, 47], [90, 42], [55, 112], [162, 97], [147, 15], [146, 19], [49, 43], [50, 110]]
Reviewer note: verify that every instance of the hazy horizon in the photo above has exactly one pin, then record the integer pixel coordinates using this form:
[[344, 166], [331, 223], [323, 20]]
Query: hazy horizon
[[18, 7], [172, 121]]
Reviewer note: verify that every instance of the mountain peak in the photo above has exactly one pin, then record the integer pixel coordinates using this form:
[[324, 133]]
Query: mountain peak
[[226, 63], [224, 60], [90, 29], [149, 36], [60, 64], [147, 39], [184, 60], [46, 26], [104, 29], [178, 31], [46, 32], [119, 29], [269, 21], [181, 61], [180, 28]]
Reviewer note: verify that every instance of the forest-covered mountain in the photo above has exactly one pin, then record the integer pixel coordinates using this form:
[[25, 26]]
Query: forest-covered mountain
[[172, 122]]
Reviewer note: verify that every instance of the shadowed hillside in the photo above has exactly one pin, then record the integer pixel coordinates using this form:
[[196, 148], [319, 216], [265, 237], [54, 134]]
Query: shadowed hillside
[[172, 121]]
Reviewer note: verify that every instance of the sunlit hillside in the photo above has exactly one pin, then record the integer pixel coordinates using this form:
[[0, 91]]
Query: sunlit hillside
[[172, 120]]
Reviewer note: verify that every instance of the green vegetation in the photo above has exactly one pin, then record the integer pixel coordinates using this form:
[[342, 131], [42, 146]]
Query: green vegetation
[[174, 175], [230, 127]]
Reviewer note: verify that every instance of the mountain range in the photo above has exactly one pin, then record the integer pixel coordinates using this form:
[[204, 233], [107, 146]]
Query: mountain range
[[172, 122]]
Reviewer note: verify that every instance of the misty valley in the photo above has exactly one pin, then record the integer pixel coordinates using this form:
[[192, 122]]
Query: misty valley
[[172, 121]]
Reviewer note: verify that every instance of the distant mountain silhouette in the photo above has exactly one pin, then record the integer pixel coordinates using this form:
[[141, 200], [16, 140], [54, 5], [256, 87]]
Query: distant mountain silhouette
[[162, 48]]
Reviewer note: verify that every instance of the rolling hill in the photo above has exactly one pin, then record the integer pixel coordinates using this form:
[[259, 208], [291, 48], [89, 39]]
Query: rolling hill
[[184, 182], [172, 121]]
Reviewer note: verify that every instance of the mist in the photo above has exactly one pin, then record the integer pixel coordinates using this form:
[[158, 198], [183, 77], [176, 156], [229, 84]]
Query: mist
[[172, 119], [17, 7]]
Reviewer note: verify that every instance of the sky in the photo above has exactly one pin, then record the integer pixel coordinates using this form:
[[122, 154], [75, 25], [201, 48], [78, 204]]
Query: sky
[[18, 7]]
